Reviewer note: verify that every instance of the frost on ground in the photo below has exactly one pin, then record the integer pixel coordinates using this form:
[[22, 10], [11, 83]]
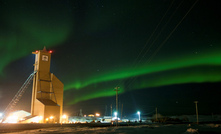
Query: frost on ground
[[142, 129]]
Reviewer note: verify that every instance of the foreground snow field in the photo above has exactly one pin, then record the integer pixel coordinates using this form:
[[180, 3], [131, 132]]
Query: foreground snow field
[[142, 129]]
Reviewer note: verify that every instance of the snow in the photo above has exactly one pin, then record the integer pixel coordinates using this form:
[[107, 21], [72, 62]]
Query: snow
[[141, 129], [190, 130]]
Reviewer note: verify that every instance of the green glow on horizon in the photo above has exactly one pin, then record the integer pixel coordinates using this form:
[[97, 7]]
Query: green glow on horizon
[[206, 59], [202, 68], [95, 94], [196, 74], [186, 75]]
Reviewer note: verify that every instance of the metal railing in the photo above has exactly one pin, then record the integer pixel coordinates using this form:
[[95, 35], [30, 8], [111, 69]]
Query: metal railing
[[18, 96]]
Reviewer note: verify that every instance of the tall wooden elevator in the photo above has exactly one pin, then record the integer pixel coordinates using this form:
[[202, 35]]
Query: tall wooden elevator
[[47, 92]]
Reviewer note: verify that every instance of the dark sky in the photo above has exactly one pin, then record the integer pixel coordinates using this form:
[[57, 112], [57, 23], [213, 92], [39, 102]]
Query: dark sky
[[161, 53]]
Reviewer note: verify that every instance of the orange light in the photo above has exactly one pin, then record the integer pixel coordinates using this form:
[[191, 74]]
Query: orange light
[[50, 51], [97, 114], [36, 51]]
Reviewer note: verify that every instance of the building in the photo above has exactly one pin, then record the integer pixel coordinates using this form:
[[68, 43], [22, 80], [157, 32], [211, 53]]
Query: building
[[47, 92]]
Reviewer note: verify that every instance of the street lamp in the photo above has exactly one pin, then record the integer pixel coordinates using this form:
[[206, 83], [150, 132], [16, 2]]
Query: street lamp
[[138, 115], [97, 114], [115, 114]]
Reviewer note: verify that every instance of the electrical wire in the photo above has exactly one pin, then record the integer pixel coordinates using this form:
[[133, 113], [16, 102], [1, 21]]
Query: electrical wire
[[165, 40]]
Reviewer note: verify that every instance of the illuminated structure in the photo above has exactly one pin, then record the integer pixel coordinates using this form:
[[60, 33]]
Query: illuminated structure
[[47, 92]]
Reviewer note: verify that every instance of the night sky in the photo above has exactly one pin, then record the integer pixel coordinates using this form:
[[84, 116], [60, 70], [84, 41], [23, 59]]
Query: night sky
[[161, 53]]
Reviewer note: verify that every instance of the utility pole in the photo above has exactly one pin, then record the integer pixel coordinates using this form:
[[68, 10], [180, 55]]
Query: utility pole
[[197, 119], [121, 111], [81, 114], [111, 112], [117, 89], [105, 114], [156, 113]]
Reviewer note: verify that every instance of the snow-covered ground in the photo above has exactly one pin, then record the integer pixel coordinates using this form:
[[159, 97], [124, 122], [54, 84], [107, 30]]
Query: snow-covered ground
[[142, 129]]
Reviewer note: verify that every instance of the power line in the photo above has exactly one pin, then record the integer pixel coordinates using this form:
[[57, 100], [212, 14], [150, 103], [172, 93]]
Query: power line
[[157, 50], [135, 61], [153, 33], [148, 60]]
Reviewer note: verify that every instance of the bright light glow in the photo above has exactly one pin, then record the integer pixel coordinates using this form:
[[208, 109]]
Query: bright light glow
[[138, 112], [115, 113], [1, 114], [37, 119], [50, 51], [40, 117], [51, 117], [64, 116], [36, 51], [115, 118], [97, 114], [12, 119], [46, 119]]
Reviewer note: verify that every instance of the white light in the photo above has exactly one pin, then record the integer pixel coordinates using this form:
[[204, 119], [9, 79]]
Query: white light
[[37, 119], [64, 116], [115, 113], [1, 114], [115, 118], [12, 119], [40, 117], [138, 115]]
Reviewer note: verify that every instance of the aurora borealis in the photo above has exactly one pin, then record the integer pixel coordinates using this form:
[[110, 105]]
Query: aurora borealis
[[98, 45], [23, 25], [147, 69]]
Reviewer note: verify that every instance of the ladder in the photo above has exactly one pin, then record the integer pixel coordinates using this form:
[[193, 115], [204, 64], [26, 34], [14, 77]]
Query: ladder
[[18, 96]]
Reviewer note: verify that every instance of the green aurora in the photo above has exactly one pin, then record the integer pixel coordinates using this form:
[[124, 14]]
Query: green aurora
[[26, 30], [95, 94], [171, 77], [206, 59], [202, 68]]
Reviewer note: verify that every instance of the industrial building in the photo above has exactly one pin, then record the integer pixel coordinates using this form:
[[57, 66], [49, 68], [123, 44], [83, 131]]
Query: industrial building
[[47, 92]]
